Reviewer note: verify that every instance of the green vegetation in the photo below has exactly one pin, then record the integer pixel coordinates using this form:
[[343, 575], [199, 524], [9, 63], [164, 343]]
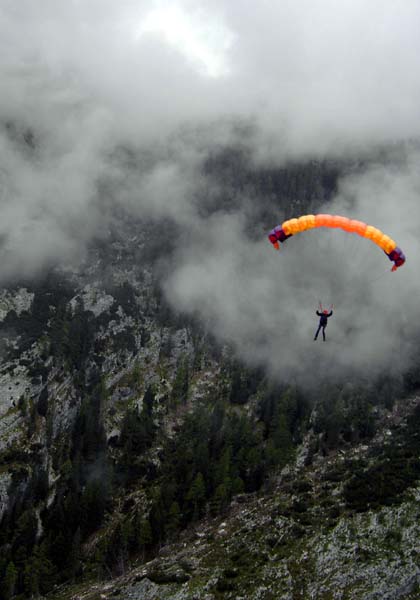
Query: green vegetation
[[384, 482], [219, 450]]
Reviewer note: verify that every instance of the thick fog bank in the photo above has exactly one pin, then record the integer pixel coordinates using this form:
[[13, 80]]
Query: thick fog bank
[[109, 105]]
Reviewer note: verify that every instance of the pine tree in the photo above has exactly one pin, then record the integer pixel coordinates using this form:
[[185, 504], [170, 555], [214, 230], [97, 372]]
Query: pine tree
[[145, 536], [173, 520], [75, 554], [197, 496], [219, 500], [282, 440], [180, 385], [157, 519], [118, 547], [146, 415], [93, 504], [9, 582], [39, 573]]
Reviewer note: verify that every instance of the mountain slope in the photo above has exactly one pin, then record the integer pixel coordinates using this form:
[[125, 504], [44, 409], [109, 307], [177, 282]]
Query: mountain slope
[[305, 536], [125, 426]]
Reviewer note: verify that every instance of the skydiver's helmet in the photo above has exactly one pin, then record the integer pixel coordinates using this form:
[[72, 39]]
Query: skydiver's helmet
[[325, 312]]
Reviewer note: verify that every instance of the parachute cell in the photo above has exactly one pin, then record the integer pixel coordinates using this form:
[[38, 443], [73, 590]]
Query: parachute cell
[[296, 225]]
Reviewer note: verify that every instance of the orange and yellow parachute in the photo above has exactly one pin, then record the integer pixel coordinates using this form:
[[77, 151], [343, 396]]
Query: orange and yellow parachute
[[282, 232]]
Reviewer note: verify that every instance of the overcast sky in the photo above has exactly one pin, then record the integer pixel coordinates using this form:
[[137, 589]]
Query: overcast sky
[[312, 79]]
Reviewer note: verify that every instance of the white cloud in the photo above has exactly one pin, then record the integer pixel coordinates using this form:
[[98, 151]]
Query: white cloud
[[307, 79], [316, 76], [196, 35]]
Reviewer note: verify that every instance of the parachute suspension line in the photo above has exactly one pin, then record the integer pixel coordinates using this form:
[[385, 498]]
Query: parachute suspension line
[[330, 235], [363, 266], [349, 245], [321, 307], [353, 244], [374, 280], [365, 260], [381, 276]]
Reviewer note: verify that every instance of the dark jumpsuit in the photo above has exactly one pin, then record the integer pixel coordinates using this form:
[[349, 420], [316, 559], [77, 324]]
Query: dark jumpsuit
[[323, 321]]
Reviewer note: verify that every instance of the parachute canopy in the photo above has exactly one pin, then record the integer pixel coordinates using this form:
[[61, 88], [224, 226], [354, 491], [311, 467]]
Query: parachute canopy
[[282, 232]]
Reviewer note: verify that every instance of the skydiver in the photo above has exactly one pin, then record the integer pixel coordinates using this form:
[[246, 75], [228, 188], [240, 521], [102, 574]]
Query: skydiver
[[323, 321]]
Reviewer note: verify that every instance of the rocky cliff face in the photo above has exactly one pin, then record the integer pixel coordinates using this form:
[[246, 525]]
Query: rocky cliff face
[[101, 319], [81, 350]]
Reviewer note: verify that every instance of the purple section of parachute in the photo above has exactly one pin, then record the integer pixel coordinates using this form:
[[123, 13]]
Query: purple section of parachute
[[397, 256], [400, 252], [277, 235]]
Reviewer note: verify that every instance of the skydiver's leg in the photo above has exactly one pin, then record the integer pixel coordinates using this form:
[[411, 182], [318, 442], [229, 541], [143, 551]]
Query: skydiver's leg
[[323, 333], [317, 331]]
